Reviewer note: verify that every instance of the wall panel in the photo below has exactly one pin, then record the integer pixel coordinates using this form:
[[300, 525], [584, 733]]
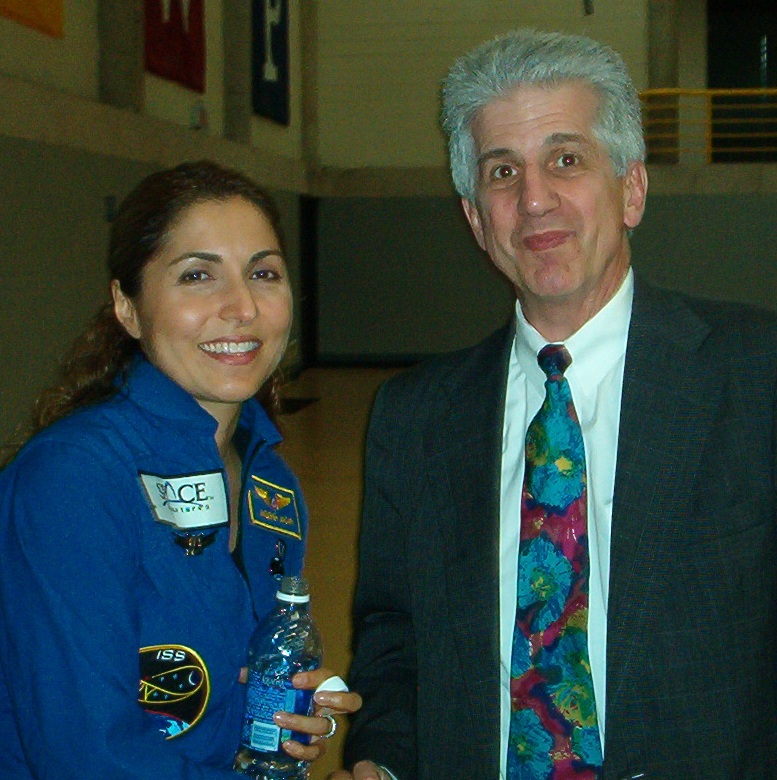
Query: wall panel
[[380, 66], [68, 64]]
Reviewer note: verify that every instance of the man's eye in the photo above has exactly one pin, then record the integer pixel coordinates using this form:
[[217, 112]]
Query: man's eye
[[503, 171], [567, 160]]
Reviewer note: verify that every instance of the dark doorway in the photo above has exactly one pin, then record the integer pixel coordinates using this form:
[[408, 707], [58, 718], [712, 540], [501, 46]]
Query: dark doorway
[[308, 303], [742, 54]]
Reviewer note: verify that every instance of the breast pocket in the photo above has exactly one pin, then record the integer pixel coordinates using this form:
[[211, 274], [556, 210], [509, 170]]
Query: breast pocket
[[729, 557]]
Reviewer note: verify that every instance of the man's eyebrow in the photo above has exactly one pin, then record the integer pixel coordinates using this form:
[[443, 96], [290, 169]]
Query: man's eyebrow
[[495, 154], [565, 138]]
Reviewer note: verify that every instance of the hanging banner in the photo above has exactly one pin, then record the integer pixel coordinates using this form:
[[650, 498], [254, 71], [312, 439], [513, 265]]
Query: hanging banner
[[43, 15], [270, 60], [175, 41]]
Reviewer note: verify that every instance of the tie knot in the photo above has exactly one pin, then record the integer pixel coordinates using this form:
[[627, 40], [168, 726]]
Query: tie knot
[[554, 360]]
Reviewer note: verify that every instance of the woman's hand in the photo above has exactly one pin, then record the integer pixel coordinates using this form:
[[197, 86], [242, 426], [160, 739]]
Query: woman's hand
[[321, 725], [364, 770]]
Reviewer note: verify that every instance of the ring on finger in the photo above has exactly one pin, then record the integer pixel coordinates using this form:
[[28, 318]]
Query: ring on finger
[[332, 727]]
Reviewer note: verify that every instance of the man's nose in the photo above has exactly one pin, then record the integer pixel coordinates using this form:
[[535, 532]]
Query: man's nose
[[538, 192]]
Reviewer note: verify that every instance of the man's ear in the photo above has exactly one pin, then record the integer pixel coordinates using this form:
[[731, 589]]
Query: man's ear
[[473, 217], [125, 310], [635, 186]]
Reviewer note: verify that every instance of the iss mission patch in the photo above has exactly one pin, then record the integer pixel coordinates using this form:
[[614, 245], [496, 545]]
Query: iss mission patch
[[174, 687]]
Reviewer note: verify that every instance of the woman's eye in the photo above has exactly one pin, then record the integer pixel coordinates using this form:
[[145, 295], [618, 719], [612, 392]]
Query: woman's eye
[[265, 274], [194, 276]]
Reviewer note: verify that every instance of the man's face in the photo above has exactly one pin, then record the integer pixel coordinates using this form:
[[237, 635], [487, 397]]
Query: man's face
[[550, 211]]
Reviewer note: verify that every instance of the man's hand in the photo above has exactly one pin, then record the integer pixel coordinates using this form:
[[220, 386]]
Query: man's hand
[[364, 770]]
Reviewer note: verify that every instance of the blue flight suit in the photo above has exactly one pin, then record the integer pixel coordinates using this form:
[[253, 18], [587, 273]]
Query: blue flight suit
[[120, 652]]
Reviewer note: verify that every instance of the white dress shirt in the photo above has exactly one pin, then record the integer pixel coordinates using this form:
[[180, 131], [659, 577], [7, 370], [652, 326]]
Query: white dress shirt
[[595, 378]]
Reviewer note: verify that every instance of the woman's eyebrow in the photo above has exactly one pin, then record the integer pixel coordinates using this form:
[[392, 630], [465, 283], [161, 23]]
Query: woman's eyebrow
[[213, 257]]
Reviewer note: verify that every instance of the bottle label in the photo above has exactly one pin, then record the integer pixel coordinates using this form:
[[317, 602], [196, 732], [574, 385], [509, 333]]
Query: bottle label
[[262, 702]]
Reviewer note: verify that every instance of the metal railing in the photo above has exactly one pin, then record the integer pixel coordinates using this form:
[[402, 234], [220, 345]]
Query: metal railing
[[710, 125]]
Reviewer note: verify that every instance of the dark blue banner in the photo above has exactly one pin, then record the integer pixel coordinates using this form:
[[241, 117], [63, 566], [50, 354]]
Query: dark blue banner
[[270, 61]]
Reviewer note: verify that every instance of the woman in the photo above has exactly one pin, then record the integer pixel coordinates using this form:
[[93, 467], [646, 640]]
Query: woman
[[143, 525]]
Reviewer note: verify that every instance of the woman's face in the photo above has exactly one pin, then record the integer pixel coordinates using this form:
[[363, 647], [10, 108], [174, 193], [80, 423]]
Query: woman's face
[[214, 309]]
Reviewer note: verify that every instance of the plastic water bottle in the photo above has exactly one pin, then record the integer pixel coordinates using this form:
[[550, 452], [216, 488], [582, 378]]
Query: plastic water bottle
[[285, 642]]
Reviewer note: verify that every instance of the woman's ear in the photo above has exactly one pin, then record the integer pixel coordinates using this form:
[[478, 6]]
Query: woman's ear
[[125, 310]]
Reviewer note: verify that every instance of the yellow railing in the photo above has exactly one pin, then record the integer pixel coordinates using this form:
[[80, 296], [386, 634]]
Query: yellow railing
[[710, 125]]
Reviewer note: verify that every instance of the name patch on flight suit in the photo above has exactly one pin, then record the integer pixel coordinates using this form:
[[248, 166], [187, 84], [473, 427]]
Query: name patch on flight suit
[[274, 507], [174, 687], [189, 501]]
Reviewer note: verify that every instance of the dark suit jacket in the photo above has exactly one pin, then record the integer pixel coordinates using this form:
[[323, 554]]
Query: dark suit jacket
[[692, 624]]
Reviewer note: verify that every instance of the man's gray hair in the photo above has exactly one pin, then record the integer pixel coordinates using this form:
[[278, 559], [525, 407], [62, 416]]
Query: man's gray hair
[[531, 57]]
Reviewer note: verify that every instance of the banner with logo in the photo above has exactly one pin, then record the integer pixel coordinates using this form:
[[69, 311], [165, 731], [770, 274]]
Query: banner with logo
[[270, 60], [175, 41], [43, 15]]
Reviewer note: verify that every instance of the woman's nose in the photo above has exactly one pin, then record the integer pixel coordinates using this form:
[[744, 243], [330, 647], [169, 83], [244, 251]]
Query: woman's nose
[[238, 303]]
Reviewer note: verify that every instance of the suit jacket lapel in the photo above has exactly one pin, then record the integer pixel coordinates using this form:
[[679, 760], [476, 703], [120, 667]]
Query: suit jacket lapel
[[465, 449], [668, 406]]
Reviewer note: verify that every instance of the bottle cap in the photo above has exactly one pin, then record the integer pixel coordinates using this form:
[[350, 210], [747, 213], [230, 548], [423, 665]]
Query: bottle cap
[[294, 589]]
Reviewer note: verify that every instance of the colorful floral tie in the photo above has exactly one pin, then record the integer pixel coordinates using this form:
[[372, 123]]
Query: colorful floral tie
[[553, 726]]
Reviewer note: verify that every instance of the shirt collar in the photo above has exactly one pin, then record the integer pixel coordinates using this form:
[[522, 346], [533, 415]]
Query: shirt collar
[[155, 392], [594, 348]]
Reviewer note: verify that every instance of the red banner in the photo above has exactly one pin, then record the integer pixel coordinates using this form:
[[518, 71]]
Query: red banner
[[175, 41], [43, 15]]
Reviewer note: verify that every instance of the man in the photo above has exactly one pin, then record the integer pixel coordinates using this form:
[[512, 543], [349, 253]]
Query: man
[[675, 398]]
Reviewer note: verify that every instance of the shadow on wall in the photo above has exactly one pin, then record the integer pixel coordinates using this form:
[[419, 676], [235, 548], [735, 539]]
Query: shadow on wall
[[53, 243], [716, 246], [401, 278]]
